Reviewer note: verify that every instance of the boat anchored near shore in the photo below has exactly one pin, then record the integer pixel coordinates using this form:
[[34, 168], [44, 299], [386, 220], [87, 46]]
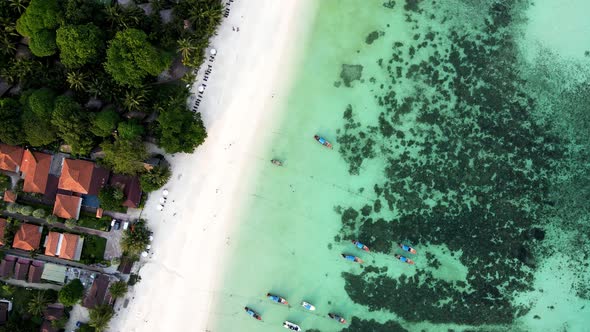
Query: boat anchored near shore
[[277, 299], [352, 258], [308, 306], [323, 141], [252, 313], [291, 326]]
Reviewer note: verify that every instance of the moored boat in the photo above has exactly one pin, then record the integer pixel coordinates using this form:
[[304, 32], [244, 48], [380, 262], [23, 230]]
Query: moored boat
[[323, 141], [352, 258], [276, 162], [407, 248], [404, 259], [338, 318], [277, 299], [308, 306], [252, 313], [360, 245], [291, 326]]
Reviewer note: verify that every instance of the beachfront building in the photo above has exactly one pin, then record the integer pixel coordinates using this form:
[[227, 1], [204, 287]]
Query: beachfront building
[[98, 293], [28, 237], [67, 206], [10, 157], [63, 245], [131, 189], [35, 171]]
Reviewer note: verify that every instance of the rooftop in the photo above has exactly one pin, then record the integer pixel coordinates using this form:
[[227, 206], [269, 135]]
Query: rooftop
[[35, 272], [67, 206], [35, 168], [98, 293], [131, 189], [28, 237], [62, 245], [9, 196], [76, 175], [10, 157]]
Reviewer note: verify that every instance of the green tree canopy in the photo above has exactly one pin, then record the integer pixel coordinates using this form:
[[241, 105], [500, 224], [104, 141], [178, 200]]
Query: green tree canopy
[[111, 198], [135, 239], [42, 43], [155, 179], [100, 317], [71, 293], [37, 303], [79, 44], [11, 131], [180, 130], [104, 122], [130, 129], [118, 289], [124, 156], [131, 57], [37, 117], [40, 15], [72, 124]]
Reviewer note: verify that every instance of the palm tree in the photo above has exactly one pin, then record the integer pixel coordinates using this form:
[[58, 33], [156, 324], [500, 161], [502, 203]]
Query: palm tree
[[37, 303], [135, 99], [8, 36], [118, 289], [100, 317], [77, 80], [186, 47], [19, 5], [114, 15]]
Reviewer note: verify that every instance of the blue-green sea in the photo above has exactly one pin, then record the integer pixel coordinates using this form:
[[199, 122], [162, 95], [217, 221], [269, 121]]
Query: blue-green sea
[[460, 127]]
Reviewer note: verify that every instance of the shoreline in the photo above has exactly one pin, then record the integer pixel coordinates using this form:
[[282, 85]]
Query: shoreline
[[251, 75]]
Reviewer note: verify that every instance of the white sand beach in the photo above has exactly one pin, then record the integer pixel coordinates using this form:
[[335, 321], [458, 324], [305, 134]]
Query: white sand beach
[[248, 81]]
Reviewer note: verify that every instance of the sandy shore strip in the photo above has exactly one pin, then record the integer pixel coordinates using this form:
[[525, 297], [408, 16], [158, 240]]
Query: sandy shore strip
[[249, 78]]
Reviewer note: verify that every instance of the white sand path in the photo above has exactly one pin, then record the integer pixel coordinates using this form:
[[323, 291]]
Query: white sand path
[[249, 79]]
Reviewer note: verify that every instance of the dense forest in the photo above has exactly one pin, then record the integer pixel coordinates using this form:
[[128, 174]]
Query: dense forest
[[91, 75]]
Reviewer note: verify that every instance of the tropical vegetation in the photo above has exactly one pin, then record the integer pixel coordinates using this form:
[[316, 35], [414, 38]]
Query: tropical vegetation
[[71, 293], [86, 75], [135, 239]]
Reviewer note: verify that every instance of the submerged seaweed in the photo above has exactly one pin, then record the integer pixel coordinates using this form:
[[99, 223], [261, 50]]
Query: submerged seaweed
[[473, 172]]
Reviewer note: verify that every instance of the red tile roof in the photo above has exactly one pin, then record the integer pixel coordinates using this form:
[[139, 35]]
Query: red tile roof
[[9, 196], [35, 167], [35, 272], [10, 157], [76, 175], [28, 237], [62, 245], [2, 228], [67, 206]]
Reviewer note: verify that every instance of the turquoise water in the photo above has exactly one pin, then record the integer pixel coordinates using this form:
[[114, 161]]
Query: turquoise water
[[459, 127]]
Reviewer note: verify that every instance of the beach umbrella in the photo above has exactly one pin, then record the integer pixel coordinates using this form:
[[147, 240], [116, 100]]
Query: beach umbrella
[[151, 238], [162, 200], [148, 247], [165, 192], [201, 88], [159, 207], [213, 51], [144, 254]]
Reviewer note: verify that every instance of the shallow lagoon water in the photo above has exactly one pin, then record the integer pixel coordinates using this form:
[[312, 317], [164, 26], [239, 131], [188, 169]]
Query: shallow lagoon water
[[457, 151]]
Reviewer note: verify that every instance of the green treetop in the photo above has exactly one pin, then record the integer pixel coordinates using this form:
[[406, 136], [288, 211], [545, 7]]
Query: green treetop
[[131, 57], [79, 44], [11, 129], [37, 117], [71, 293], [124, 156], [39, 22], [105, 122], [72, 124]]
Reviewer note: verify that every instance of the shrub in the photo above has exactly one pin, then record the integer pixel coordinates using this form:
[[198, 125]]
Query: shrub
[[39, 213], [70, 223], [25, 210], [13, 208], [135, 239], [51, 219]]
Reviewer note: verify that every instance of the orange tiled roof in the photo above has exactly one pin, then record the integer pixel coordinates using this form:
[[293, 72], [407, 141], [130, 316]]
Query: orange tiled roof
[[2, 228], [35, 166], [51, 244], [10, 157], [67, 206], [28, 237], [62, 245], [9, 196], [76, 176]]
